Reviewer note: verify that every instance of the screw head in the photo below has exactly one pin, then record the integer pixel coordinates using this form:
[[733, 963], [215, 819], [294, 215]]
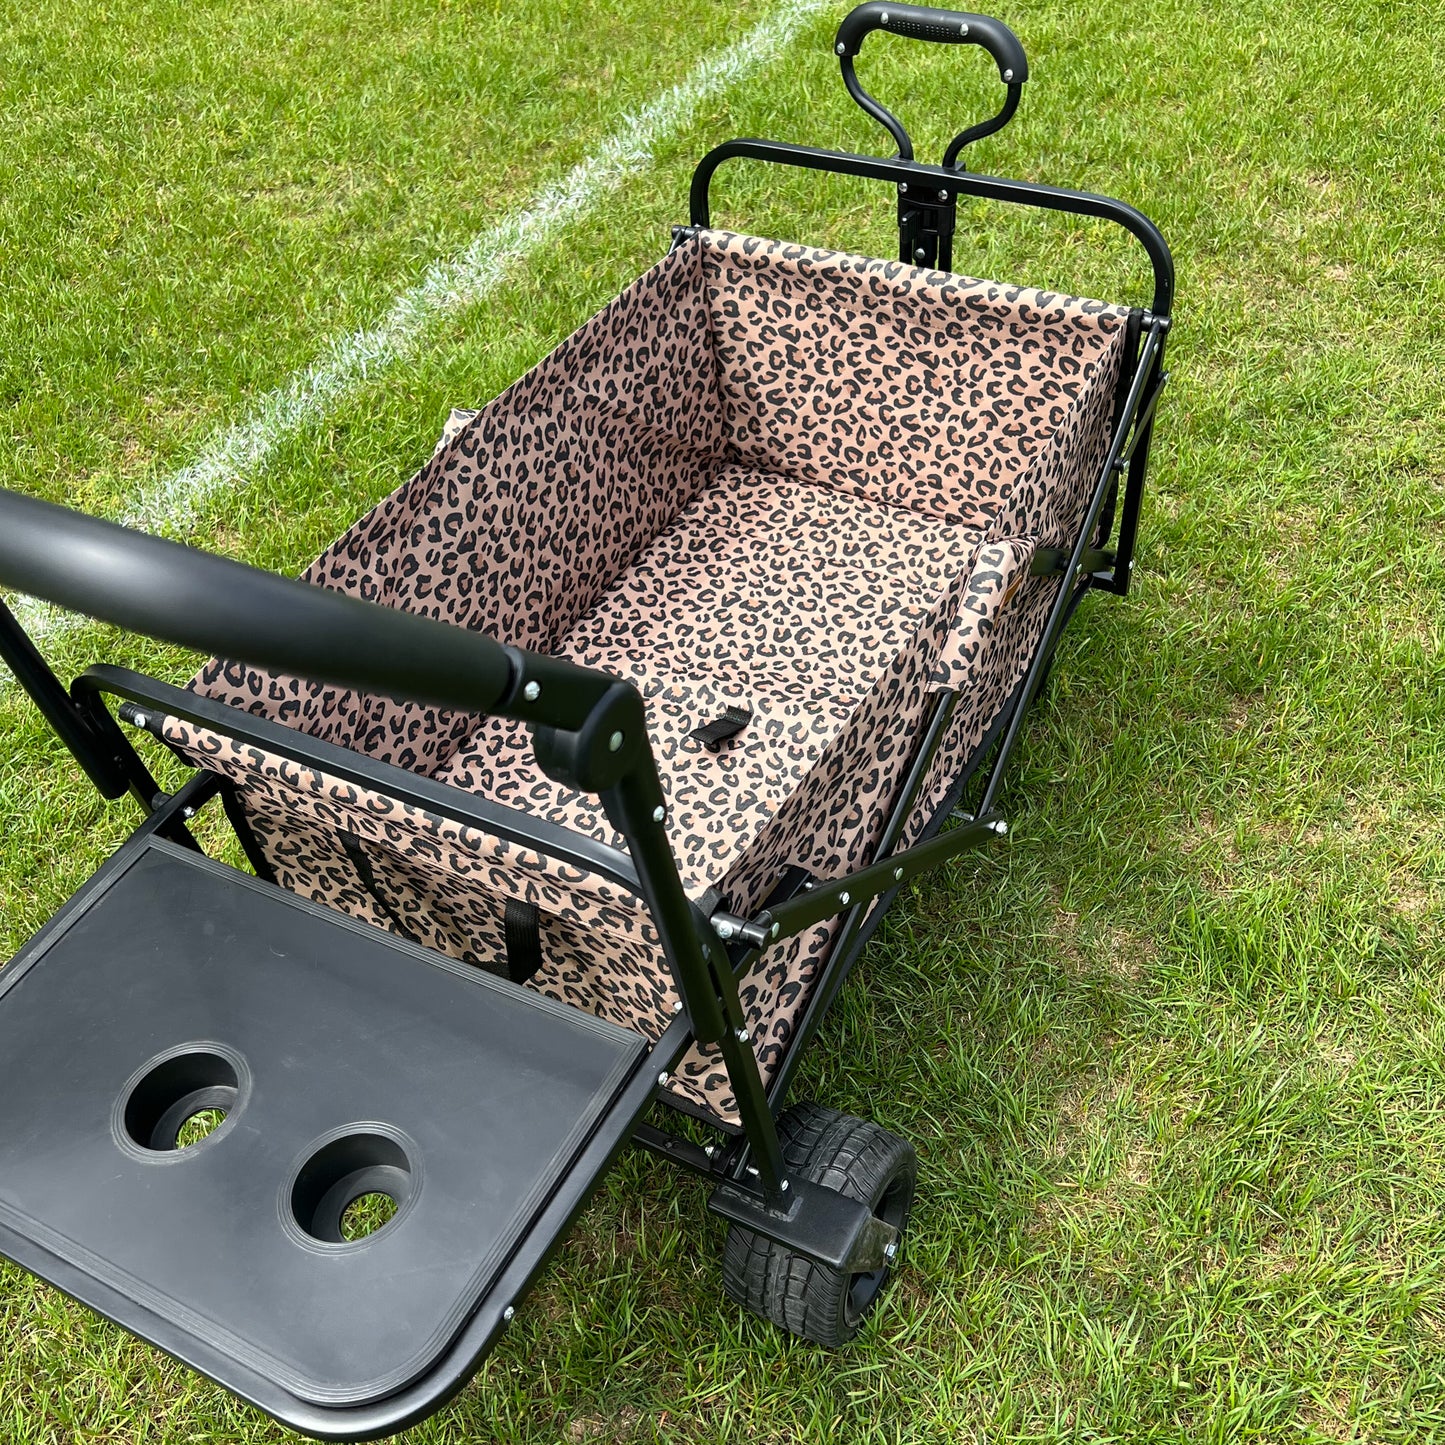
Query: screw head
[[662, 1077], [943, 195], [841, 48], [614, 743], [902, 188], [742, 1036], [898, 875], [141, 720], [188, 812], [659, 813], [1008, 75], [724, 931], [784, 1186], [532, 691], [1000, 827], [845, 898], [892, 1250], [776, 929], [963, 29], [883, 18], [507, 1314], [677, 1007]]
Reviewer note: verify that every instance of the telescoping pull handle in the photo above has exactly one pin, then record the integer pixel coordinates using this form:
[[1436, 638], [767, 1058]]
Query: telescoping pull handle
[[944, 27]]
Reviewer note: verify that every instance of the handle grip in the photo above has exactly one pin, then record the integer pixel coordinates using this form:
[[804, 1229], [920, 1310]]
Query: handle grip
[[944, 27], [194, 599]]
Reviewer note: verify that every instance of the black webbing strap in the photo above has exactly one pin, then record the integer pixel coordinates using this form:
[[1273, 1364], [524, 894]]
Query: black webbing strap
[[712, 735], [521, 926], [351, 845]]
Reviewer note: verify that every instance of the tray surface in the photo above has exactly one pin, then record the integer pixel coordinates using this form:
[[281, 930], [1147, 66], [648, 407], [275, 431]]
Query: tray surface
[[347, 1061]]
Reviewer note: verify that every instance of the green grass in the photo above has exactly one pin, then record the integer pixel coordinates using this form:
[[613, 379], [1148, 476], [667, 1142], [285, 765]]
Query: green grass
[[1172, 1057]]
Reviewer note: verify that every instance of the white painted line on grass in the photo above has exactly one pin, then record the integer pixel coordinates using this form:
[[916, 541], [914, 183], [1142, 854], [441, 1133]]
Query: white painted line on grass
[[237, 453]]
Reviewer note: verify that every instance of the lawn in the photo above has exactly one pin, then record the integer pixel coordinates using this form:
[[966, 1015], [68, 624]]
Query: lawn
[[1172, 1056]]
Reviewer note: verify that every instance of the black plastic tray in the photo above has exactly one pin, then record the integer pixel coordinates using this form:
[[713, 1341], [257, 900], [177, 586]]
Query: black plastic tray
[[347, 1061]]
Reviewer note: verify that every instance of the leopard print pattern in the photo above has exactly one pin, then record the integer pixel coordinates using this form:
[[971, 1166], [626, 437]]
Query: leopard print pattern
[[765, 475]]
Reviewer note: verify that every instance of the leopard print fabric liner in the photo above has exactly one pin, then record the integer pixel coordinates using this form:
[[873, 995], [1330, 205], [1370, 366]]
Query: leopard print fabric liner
[[768, 476]]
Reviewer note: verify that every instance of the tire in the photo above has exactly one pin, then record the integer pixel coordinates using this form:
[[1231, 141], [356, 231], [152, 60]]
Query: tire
[[859, 1159]]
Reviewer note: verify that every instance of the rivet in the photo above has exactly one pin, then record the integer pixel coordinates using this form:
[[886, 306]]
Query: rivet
[[724, 931], [1000, 827], [898, 875], [902, 188], [662, 1077], [677, 1007], [776, 929], [883, 18], [659, 813], [188, 812], [943, 195], [141, 720], [532, 691], [742, 1036], [841, 48], [614, 743], [1008, 75], [963, 29], [784, 1186], [844, 898], [507, 1314]]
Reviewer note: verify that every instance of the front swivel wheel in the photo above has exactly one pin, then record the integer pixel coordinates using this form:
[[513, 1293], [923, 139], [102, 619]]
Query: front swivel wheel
[[857, 1158]]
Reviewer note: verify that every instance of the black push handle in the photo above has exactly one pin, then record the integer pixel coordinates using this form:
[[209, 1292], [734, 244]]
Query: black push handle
[[195, 599], [944, 27]]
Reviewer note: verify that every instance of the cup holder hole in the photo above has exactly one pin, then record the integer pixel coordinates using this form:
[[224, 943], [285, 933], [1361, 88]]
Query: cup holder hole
[[182, 1100], [352, 1188]]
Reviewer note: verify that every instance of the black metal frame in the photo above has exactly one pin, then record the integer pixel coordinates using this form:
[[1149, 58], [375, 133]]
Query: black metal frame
[[588, 727]]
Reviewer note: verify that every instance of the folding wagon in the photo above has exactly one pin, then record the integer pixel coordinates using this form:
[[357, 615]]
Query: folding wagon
[[574, 779]]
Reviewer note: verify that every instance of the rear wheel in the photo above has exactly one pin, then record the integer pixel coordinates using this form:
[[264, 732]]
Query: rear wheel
[[859, 1159]]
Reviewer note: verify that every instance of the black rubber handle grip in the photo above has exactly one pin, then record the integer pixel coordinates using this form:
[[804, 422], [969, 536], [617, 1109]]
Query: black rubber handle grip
[[946, 27], [196, 599]]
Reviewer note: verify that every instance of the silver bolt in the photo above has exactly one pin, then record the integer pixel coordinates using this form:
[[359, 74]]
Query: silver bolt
[[507, 1314], [1008, 75], [188, 812], [662, 1077], [963, 29], [614, 743], [943, 195], [902, 188], [724, 931], [898, 875], [1131, 564], [141, 720], [532, 691], [892, 1250], [784, 1186], [1000, 827], [844, 898], [677, 1007], [659, 813], [742, 1036], [709, 1149], [883, 18], [841, 48], [776, 929]]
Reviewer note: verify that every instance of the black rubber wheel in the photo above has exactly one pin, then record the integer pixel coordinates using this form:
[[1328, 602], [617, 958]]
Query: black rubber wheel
[[858, 1158]]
